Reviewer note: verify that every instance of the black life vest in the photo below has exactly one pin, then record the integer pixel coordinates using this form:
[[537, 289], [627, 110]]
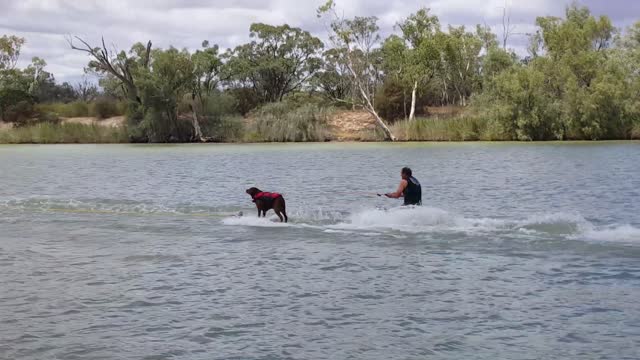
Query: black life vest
[[413, 192]]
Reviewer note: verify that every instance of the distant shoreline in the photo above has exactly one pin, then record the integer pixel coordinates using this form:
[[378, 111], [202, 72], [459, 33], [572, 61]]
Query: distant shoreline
[[342, 126], [346, 142]]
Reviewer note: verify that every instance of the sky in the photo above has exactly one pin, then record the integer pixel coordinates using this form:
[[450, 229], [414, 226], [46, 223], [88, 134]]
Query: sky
[[45, 24]]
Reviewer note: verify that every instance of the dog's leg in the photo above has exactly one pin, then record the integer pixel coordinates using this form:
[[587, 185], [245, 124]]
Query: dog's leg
[[286, 218], [279, 215]]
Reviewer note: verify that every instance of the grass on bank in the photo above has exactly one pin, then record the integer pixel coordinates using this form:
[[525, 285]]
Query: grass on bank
[[48, 133], [281, 122], [460, 128]]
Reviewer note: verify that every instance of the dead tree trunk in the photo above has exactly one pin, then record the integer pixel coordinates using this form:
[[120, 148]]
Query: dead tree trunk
[[412, 114], [195, 120], [387, 132], [404, 103], [368, 105], [107, 62], [197, 131]]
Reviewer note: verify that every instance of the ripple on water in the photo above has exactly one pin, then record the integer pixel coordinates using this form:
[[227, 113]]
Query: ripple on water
[[520, 254]]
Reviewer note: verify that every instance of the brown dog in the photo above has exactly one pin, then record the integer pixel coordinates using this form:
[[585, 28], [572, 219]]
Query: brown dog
[[266, 201]]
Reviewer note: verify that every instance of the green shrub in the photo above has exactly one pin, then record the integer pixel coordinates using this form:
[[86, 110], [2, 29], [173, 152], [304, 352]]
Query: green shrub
[[393, 101], [72, 109], [21, 113], [635, 132], [300, 98], [122, 107], [50, 108], [245, 100], [226, 129], [283, 122], [103, 108], [16, 106], [76, 109], [214, 106], [219, 105], [135, 117], [157, 127]]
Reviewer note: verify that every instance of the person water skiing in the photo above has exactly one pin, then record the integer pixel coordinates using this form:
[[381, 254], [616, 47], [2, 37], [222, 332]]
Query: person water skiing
[[409, 188]]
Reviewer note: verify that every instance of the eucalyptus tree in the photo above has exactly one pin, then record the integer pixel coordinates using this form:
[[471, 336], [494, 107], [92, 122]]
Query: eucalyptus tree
[[278, 61]]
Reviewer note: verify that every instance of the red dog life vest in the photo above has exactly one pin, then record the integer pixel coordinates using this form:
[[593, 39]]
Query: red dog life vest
[[268, 195]]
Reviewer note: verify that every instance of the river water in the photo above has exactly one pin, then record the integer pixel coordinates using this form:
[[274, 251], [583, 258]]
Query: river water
[[521, 251]]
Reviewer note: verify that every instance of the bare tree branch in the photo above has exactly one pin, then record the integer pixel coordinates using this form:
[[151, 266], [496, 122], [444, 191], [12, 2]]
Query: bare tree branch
[[507, 29], [106, 61]]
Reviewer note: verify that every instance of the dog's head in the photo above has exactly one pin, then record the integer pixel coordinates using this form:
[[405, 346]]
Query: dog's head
[[253, 191]]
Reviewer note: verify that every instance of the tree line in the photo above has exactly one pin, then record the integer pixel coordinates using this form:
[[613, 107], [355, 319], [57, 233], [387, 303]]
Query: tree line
[[579, 80]]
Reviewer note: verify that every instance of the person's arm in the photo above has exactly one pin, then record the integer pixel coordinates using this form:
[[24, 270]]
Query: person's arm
[[400, 192]]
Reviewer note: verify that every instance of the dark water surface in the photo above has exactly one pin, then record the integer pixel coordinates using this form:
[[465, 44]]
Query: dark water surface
[[523, 251]]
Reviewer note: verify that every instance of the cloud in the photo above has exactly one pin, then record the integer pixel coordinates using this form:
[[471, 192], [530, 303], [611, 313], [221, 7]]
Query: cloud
[[185, 23]]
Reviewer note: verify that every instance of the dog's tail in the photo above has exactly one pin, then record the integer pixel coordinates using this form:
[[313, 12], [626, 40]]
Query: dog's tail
[[284, 209]]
